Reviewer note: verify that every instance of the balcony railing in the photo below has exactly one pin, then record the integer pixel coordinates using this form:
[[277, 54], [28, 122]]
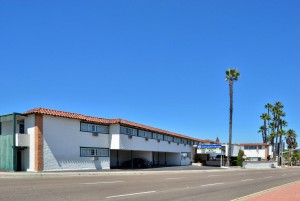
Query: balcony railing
[[22, 140]]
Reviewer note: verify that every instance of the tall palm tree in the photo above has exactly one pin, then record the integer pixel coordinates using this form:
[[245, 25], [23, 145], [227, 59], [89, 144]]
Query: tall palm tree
[[266, 118], [268, 106], [271, 138], [290, 139], [231, 76], [262, 130]]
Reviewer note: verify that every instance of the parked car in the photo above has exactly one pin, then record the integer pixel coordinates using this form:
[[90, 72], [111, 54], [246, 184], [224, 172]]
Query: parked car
[[137, 162]]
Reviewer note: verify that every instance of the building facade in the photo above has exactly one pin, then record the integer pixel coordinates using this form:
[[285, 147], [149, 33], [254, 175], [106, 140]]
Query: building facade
[[51, 140]]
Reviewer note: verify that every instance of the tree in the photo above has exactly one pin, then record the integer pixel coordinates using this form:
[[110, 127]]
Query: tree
[[266, 118], [231, 76], [273, 128], [240, 158], [290, 139], [268, 106]]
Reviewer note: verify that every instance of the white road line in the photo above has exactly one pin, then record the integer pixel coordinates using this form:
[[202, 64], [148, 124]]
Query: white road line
[[258, 172], [214, 175], [267, 177], [115, 196], [247, 180], [103, 182], [176, 178], [212, 184], [283, 175], [241, 173]]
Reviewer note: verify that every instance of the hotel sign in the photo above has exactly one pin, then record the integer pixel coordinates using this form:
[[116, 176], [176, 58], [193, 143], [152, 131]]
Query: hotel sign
[[209, 148]]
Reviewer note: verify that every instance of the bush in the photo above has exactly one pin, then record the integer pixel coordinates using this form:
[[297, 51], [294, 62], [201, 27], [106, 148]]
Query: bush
[[240, 158]]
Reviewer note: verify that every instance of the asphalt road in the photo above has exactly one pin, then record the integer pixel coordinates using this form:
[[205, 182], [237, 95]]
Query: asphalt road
[[201, 185]]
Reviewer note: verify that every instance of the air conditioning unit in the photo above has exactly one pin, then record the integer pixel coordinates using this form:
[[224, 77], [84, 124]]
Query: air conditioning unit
[[95, 158], [95, 134]]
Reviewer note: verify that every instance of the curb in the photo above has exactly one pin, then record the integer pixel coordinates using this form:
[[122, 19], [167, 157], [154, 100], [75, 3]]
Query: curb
[[58, 174]]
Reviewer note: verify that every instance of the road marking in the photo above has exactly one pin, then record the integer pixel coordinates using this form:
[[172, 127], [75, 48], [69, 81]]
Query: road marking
[[283, 175], [115, 196], [241, 173], [258, 172], [103, 182], [214, 175], [267, 177], [176, 178], [212, 184], [247, 180]]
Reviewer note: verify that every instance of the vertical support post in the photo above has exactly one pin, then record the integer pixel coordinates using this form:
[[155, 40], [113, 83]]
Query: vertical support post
[[14, 143], [131, 159], [152, 158], [165, 158], [117, 158]]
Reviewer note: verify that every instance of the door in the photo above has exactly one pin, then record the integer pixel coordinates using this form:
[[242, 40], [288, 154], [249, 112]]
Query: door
[[19, 160]]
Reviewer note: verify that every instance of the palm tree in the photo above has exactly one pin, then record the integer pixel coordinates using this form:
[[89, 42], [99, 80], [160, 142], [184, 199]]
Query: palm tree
[[269, 106], [231, 76], [266, 118], [271, 137], [290, 139], [262, 130]]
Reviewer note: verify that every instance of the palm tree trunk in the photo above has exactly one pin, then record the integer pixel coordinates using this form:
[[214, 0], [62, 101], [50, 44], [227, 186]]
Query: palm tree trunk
[[265, 132], [230, 121]]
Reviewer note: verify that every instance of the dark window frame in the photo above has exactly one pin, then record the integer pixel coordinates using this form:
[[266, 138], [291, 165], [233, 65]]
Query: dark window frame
[[108, 151], [83, 122]]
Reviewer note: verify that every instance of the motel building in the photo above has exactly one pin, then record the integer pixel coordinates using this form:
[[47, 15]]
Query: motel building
[[50, 140]]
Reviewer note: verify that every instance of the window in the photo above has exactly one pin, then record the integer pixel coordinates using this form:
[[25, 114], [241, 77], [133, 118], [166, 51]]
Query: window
[[148, 135], [0, 128], [144, 134], [94, 151], [250, 147], [154, 135], [86, 127], [160, 136], [186, 154], [176, 140], [128, 131]]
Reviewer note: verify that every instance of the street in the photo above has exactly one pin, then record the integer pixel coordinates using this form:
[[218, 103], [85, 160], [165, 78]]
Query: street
[[213, 185]]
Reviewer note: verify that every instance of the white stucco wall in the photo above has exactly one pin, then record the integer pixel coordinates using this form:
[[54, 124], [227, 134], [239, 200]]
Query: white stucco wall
[[140, 143], [255, 153], [29, 152], [62, 142]]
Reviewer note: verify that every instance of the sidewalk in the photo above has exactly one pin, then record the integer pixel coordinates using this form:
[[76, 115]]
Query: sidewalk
[[287, 192]]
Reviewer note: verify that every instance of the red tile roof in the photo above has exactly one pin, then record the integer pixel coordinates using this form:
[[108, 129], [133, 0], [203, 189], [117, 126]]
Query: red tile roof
[[81, 117], [254, 144]]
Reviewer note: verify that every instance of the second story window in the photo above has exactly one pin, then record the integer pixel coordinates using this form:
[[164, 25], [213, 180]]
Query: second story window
[[86, 127]]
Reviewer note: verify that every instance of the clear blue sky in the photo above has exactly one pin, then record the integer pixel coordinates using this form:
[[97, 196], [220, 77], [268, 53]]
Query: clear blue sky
[[159, 63]]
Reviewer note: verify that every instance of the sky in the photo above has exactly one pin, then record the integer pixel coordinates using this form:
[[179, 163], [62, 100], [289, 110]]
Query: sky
[[158, 63]]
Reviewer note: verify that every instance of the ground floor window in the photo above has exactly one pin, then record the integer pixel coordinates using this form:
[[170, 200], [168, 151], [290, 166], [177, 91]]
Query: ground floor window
[[94, 151]]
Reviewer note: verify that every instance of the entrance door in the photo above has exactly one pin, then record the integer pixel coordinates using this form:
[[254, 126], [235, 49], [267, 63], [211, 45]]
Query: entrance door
[[19, 160]]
